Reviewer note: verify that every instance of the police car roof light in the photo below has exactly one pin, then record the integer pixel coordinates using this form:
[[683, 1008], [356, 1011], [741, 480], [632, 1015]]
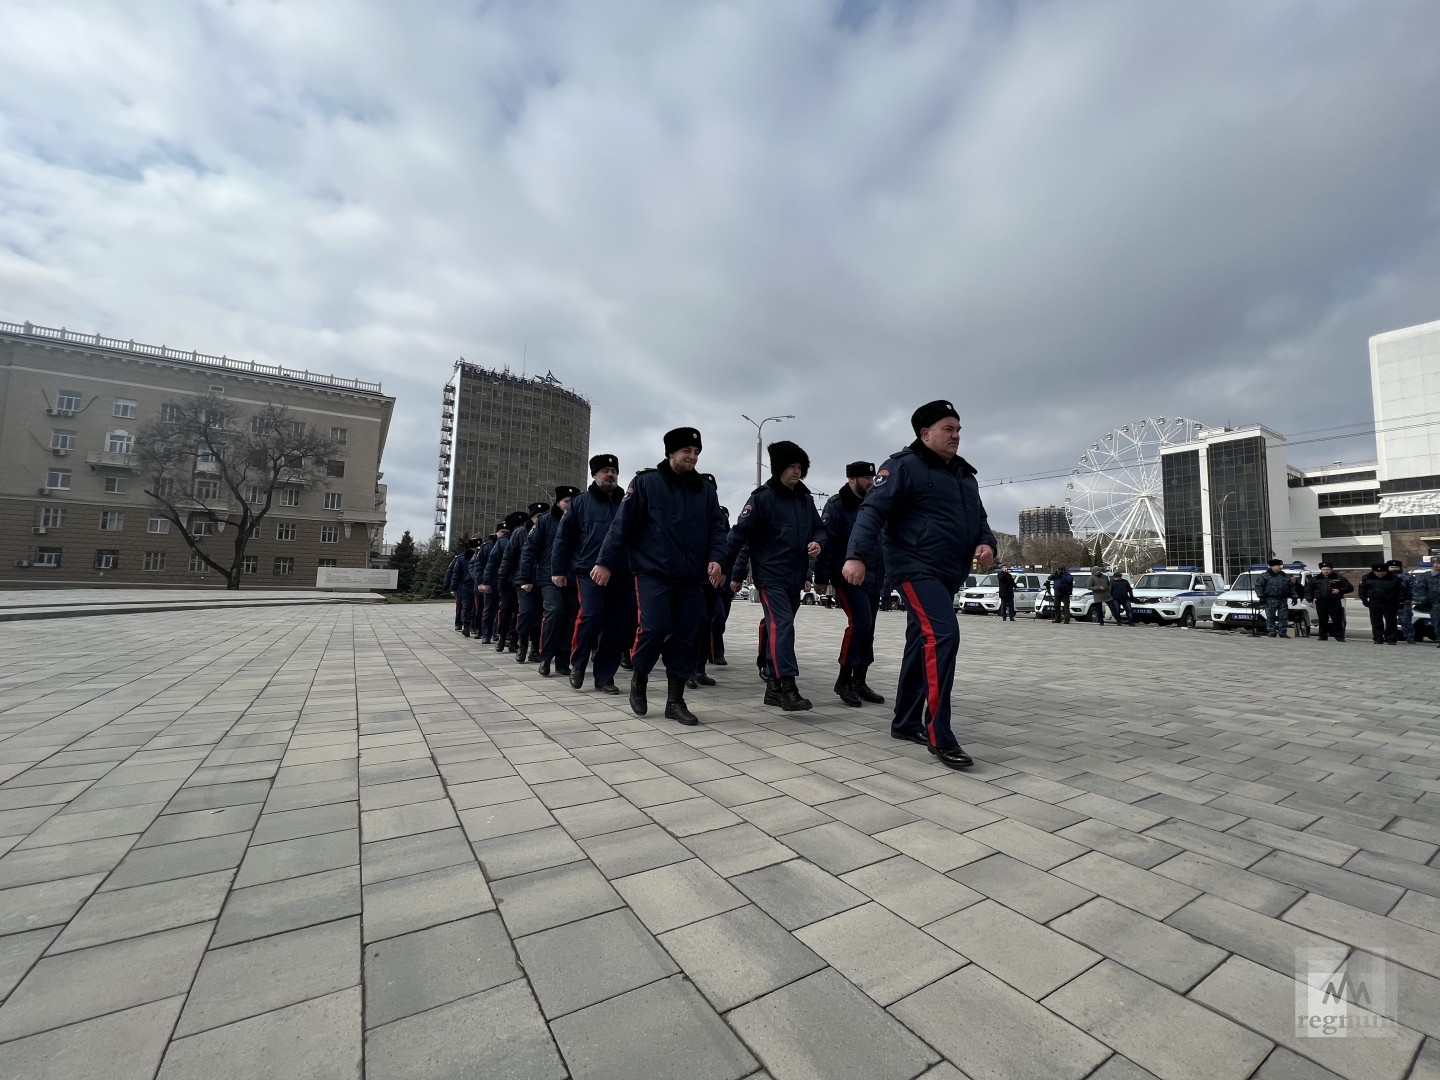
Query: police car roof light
[[1295, 566]]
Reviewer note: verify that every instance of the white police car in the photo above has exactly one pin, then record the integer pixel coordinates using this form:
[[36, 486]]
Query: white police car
[[983, 598], [1238, 608], [958, 600], [1175, 595], [1081, 599]]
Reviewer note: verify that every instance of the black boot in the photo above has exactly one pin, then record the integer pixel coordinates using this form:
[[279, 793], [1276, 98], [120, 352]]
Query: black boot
[[675, 703], [790, 699], [690, 683], [625, 662], [577, 676], [845, 688], [524, 652], [545, 668], [772, 692], [638, 704], [464, 630], [701, 677], [500, 643], [861, 690]]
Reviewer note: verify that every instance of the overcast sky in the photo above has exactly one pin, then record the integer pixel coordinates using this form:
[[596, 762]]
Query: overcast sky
[[1062, 216]]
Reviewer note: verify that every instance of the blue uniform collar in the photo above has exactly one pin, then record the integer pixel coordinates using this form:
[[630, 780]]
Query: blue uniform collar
[[956, 466], [848, 499], [780, 489], [691, 480]]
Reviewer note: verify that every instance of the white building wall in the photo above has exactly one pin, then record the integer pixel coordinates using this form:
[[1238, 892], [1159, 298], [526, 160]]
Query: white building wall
[[1405, 384]]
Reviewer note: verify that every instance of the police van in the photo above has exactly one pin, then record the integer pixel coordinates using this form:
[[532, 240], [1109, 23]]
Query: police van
[[1238, 608], [983, 597], [1175, 595]]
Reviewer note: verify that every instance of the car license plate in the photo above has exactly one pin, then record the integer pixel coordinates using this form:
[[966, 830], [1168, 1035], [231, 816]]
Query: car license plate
[[1144, 611], [1245, 617], [972, 606]]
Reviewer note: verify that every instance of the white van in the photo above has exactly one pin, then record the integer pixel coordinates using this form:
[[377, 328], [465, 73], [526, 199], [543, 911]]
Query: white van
[[1176, 595]]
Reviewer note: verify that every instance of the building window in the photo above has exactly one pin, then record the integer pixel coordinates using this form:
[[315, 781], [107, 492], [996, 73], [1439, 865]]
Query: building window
[[62, 439], [120, 442], [332, 500], [154, 561], [157, 524], [111, 521], [254, 494], [257, 425], [250, 564], [202, 528], [330, 534], [58, 480], [170, 413], [117, 485], [285, 530], [47, 557], [107, 559], [289, 497], [1328, 500], [1350, 525], [328, 562], [255, 532], [284, 566], [297, 428], [337, 435], [198, 565], [1332, 478], [165, 487], [335, 468], [52, 517], [67, 401], [1180, 479], [1409, 483], [125, 407], [207, 490]]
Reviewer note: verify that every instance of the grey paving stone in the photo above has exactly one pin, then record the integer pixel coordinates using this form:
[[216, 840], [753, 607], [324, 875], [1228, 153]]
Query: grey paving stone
[[691, 816], [1114, 812], [1021, 887], [270, 973], [501, 789], [879, 952], [1283, 1065], [993, 1032], [664, 1030], [502, 819], [18, 953], [1030, 957], [125, 1045], [1398, 941], [1157, 1029], [303, 796], [383, 796], [30, 866], [506, 856], [295, 858], [734, 790], [576, 791], [1385, 843], [144, 909], [868, 814], [1040, 849], [1119, 1068], [198, 824], [1119, 843], [1331, 881], [1033, 812], [550, 897], [620, 854], [1222, 847], [593, 819], [737, 849], [1420, 910], [1244, 932], [671, 896], [916, 893], [797, 893], [75, 986], [1397, 871], [415, 972], [318, 1039], [440, 1044], [838, 848], [954, 814], [414, 854], [1157, 951], [822, 1028], [1427, 1063], [401, 905], [739, 955], [1230, 883], [1264, 1001], [313, 821], [584, 962], [1147, 893], [937, 847], [290, 904], [67, 828], [144, 866], [1305, 845]]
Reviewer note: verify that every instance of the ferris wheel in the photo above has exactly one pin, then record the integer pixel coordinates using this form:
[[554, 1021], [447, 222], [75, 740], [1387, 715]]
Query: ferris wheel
[[1114, 493]]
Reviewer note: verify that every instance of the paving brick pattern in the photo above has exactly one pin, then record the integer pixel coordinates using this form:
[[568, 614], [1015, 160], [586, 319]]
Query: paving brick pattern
[[347, 842]]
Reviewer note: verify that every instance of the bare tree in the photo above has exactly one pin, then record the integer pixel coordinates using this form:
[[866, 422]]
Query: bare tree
[[1052, 550], [211, 467], [1007, 549]]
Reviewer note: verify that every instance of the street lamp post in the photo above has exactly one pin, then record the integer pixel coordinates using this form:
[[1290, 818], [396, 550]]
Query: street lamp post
[[1224, 544], [759, 427]]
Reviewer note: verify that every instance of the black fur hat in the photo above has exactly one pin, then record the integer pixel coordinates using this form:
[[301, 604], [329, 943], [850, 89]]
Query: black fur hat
[[783, 454]]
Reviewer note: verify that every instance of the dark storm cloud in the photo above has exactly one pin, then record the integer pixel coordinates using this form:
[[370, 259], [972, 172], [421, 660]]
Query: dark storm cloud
[[1063, 217]]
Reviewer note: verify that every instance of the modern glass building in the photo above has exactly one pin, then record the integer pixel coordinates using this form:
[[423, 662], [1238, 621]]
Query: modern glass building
[[1043, 521]]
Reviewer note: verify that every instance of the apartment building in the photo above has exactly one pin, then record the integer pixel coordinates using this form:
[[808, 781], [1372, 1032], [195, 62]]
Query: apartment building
[[73, 508]]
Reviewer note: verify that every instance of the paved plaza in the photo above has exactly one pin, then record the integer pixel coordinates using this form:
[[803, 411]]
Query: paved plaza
[[343, 841]]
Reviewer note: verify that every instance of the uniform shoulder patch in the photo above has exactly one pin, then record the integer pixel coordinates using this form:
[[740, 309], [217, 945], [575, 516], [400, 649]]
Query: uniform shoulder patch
[[747, 510], [881, 478]]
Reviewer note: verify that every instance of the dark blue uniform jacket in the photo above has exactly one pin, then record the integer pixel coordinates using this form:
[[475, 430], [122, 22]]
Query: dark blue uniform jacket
[[929, 513], [475, 570], [582, 531], [492, 564], [535, 559], [838, 517], [669, 526], [510, 561], [777, 524]]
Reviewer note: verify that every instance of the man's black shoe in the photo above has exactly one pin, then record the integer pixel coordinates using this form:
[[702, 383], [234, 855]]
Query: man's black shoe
[[703, 679], [720, 661], [485, 640], [638, 704], [911, 736], [691, 684], [577, 678], [545, 669], [464, 630], [955, 759], [609, 688], [625, 663]]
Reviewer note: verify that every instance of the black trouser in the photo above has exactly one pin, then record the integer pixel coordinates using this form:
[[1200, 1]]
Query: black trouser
[[704, 636], [557, 625], [1331, 616], [489, 603], [527, 619], [1384, 622], [724, 597], [1118, 606], [505, 612]]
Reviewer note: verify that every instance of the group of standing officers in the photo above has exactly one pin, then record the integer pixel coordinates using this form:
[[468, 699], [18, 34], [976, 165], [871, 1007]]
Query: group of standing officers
[[602, 579]]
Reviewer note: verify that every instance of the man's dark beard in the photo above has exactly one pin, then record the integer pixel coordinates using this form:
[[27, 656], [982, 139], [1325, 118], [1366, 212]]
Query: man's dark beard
[[607, 486]]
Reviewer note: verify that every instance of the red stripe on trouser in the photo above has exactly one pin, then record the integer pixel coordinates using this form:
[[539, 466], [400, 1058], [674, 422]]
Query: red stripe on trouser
[[770, 629], [639, 618], [932, 665], [579, 614], [849, 626]]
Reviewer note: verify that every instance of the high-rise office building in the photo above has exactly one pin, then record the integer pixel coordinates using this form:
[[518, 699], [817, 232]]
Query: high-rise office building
[[1039, 521], [506, 440], [73, 508], [1405, 384]]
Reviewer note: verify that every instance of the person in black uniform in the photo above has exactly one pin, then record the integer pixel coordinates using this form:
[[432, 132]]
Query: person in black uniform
[[527, 602], [484, 602], [782, 529], [859, 602], [720, 615], [605, 621], [1327, 591], [557, 620], [670, 531], [927, 504], [704, 638], [492, 583]]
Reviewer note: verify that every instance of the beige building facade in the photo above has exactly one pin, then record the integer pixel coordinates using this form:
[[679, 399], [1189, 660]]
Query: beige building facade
[[73, 508]]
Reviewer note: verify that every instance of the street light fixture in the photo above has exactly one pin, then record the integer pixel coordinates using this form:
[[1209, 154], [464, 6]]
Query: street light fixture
[[759, 427], [1224, 545]]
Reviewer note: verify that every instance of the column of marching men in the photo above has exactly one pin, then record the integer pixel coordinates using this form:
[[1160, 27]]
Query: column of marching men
[[605, 579]]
